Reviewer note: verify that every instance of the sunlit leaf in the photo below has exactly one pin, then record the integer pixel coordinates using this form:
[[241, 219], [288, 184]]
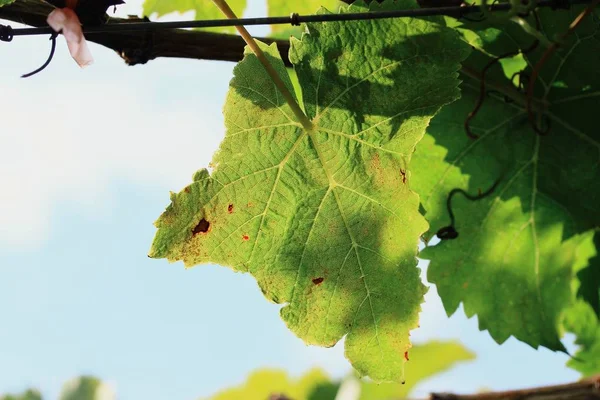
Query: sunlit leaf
[[324, 218], [425, 361], [512, 263], [583, 322]]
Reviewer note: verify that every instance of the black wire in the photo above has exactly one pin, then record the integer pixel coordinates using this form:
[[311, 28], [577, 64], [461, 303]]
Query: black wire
[[50, 57], [449, 232], [292, 19]]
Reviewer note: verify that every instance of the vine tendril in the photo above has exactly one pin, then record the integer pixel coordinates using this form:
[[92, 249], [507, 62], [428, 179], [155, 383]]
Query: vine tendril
[[491, 63], [450, 232], [50, 57]]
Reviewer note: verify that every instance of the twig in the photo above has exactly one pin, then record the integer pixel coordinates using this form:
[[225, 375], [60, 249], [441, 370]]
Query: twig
[[587, 389], [141, 47]]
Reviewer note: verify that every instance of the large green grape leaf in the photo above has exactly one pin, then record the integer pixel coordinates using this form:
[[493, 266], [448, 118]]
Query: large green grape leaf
[[324, 218], [582, 320], [30, 394], [425, 361], [204, 9], [262, 384], [512, 263]]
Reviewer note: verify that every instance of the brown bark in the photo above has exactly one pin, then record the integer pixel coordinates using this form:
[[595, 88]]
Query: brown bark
[[140, 47], [586, 389]]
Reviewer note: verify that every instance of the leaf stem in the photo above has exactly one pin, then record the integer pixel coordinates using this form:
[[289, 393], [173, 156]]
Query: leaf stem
[[287, 95]]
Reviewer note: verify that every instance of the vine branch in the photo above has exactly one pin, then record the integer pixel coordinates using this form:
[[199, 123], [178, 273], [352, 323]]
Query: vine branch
[[141, 47], [586, 389], [138, 47]]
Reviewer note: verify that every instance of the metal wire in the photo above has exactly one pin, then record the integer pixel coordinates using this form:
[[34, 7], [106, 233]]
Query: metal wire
[[293, 19]]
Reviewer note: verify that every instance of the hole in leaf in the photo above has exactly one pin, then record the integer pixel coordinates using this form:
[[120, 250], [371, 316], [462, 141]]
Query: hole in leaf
[[202, 227], [317, 281], [230, 209], [403, 174]]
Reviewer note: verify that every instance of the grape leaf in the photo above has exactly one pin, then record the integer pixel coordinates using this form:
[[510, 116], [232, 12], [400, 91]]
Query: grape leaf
[[263, 383], [30, 394], [5, 2], [425, 361], [323, 218], [582, 320], [589, 279], [512, 263], [204, 9]]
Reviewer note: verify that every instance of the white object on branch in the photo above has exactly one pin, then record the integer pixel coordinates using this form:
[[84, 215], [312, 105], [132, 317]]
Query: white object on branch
[[65, 20]]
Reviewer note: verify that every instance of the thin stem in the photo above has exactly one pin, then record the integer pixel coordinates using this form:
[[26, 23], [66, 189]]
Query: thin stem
[[508, 91], [287, 95]]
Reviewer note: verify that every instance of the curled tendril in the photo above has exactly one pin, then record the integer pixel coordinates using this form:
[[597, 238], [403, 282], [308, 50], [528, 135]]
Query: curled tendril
[[450, 232], [50, 57], [491, 63]]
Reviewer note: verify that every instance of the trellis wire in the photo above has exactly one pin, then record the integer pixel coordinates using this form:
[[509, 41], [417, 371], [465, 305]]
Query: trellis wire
[[293, 19]]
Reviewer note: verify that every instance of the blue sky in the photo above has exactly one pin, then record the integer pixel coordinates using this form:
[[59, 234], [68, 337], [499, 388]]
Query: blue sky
[[87, 159]]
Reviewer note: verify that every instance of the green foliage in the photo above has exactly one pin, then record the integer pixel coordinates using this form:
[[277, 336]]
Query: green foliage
[[324, 219], [5, 2], [204, 9], [425, 361], [583, 322], [589, 279], [86, 388], [327, 219], [82, 388], [513, 262], [30, 394], [431, 358], [262, 384]]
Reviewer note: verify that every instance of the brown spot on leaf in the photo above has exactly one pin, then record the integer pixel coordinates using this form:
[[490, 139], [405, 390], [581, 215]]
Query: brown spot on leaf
[[245, 238], [406, 355], [318, 281], [187, 189], [202, 227], [230, 209], [249, 205], [403, 173], [465, 285]]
